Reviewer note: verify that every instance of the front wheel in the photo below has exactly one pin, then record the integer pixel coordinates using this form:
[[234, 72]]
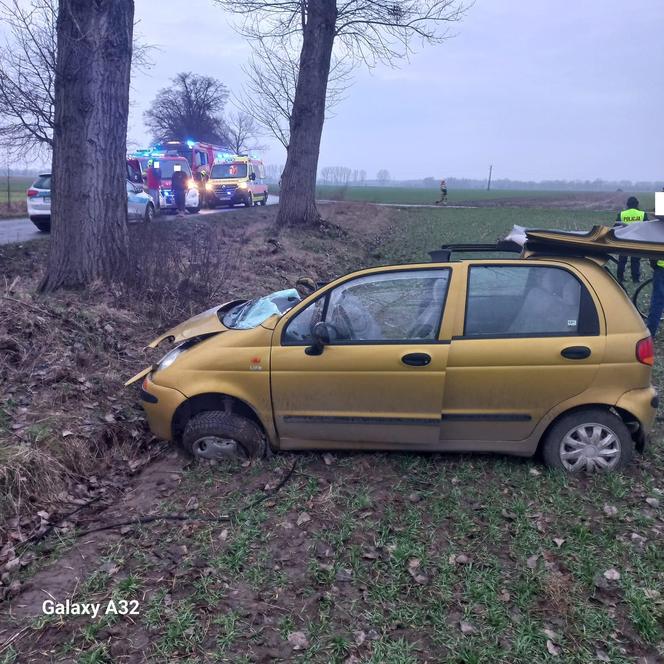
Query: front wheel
[[43, 226], [223, 436], [149, 213], [264, 200], [589, 440], [193, 210], [249, 200]]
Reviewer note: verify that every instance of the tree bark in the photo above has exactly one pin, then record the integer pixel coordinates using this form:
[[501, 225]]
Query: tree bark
[[88, 188], [297, 202]]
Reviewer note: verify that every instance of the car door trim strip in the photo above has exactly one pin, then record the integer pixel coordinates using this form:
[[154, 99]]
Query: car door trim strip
[[350, 419]]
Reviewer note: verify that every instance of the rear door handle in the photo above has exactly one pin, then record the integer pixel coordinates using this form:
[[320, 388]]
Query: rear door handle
[[576, 352], [416, 359]]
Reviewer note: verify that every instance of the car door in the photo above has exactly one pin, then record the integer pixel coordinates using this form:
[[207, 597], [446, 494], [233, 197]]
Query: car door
[[132, 201], [531, 339], [380, 379]]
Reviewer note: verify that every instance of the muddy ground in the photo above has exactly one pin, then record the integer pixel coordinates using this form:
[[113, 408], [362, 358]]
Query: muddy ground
[[301, 557]]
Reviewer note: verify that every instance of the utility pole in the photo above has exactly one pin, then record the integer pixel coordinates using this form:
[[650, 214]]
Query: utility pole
[[488, 186]]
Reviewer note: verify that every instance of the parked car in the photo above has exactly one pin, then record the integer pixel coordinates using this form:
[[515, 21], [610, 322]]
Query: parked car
[[140, 205], [519, 355]]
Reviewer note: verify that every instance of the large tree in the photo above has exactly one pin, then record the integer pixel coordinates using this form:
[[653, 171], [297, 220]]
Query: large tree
[[27, 76], [191, 108], [242, 132], [89, 206], [366, 31]]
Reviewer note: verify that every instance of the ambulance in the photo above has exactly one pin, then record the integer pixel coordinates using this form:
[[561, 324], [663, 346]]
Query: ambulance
[[237, 180]]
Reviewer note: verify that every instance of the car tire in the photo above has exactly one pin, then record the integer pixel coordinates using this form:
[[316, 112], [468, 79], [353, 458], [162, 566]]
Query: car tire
[[193, 210], [223, 436], [592, 440], [264, 201], [42, 226], [249, 200], [149, 213]]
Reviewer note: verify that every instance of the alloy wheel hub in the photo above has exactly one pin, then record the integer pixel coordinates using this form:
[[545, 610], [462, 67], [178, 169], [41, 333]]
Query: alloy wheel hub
[[218, 448]]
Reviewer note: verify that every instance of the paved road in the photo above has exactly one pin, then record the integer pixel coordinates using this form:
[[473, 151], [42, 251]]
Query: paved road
[[22, 230]]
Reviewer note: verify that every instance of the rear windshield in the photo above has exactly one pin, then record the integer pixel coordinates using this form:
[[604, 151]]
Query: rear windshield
[[227, 171], [42, 182], [166, 167]]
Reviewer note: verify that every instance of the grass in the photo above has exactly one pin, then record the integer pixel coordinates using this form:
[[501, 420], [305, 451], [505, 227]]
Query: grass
[[405, 558], [424, 196]]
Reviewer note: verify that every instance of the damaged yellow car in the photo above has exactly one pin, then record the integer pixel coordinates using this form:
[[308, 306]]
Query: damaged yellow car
[[541, 352]]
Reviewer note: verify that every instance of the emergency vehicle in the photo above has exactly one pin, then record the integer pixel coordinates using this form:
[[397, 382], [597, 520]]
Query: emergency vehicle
[[237, 180], [167, 165]]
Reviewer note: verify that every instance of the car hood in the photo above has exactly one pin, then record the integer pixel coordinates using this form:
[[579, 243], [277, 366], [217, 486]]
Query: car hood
[[202, 324]]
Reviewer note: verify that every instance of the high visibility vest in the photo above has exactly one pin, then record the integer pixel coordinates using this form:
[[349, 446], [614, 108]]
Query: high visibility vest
[[632, 215]]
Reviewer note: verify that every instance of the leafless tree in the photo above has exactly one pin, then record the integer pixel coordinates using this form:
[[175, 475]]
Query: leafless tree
[[271, 82], [366, 31], [383, 176], [242, 132], [192, 106], [91, 100], [27, 76]]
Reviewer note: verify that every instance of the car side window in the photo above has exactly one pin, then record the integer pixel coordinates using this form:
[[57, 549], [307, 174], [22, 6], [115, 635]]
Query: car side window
[[386, 307], [523, 300]]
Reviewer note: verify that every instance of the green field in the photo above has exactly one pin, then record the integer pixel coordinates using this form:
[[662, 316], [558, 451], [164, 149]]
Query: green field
[[422, 196]]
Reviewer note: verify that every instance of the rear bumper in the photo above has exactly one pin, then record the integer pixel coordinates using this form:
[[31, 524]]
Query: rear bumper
[[642, 404], [159, 404]]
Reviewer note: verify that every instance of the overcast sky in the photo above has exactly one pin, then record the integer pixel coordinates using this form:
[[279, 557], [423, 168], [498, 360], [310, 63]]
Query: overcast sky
[[543, 90]]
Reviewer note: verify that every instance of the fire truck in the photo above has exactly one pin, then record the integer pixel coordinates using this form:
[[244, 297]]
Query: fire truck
[[200, 156]]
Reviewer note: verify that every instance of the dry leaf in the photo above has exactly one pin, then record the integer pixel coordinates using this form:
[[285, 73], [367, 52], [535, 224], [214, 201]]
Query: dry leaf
[[558, 541], [552, 648], [653, 502], [298, 640], [535, 472], [466, 627], [532, 561], [602, 656], [303, 518], [328, 459], [611, 574], [550, 634], [610, 510]]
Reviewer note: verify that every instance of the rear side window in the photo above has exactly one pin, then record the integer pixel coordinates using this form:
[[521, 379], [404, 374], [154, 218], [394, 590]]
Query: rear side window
[[42, 182], [527, 300]]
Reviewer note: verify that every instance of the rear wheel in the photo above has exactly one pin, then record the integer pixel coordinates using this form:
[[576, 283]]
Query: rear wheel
[[42, 226], [590, 440], [223, 436], [264, 200]]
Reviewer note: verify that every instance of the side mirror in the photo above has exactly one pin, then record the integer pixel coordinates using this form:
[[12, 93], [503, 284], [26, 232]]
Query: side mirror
[[321, 336]]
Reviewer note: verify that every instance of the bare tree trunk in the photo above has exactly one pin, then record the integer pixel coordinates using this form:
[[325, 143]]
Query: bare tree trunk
[[89, 205], [297, 204]]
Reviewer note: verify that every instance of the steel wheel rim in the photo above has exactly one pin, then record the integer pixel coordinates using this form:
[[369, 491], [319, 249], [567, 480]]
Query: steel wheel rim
[[217, 447], [590, 447]]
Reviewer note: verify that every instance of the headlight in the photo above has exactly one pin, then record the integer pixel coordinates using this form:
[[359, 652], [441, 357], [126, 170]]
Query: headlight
[[242, 185], [170, 357], [209, 186], [191, 183]]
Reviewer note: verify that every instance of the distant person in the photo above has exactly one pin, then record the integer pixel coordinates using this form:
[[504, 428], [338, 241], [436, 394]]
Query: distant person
[[153, 177], [443, 193], [630, 215], [179, 187]]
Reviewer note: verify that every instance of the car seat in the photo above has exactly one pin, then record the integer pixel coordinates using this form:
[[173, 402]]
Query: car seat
[[426, 325]]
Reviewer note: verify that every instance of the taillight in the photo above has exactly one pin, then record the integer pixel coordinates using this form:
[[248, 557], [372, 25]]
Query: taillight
[[645, 351], [32, 193]]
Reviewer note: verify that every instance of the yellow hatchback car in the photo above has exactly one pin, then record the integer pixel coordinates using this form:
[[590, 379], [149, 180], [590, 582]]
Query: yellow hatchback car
[[515, 355]]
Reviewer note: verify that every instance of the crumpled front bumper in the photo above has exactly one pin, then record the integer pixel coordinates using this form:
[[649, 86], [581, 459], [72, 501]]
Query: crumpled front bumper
[[160, 404]]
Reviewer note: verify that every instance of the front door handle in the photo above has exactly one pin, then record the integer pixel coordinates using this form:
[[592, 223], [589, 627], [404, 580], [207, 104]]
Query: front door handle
[[416, 359], [576, 352]]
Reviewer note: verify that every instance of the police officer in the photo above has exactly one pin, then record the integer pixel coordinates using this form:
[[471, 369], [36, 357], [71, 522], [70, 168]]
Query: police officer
[[629, 216]]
